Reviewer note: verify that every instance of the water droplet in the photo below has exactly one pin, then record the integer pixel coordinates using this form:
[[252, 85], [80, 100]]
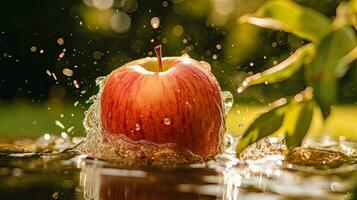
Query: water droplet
[[167, 121], [251, 64], [240, 125], [214, 56], [97, 55], [54, 76], [245, 83], [228, 100], [60, 41], [64, 135], [68, 72], [75, 103], [206, 65], [99, 80], [59, 124], [274, 44], [33, 49], [218, 46], [240, 90], [165, 4], [70, 129], [46, 136], [155, 22], [137, 127], [48, 72], [61, 55], [177, 30], [42, 51], [266, 82], [75, 83]]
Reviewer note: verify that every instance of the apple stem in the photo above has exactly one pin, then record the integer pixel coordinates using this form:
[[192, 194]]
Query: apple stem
[[158, 55]]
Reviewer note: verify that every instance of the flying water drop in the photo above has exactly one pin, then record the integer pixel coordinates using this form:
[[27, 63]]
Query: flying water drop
[[155, 22], [228, 100]]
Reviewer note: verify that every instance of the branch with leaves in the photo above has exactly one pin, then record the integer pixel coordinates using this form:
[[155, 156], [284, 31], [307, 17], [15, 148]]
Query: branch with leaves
[[332, 48]]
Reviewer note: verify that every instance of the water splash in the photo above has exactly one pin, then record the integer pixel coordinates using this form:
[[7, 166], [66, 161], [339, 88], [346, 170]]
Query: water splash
[[122, 150], [261, 171], [228, 101]]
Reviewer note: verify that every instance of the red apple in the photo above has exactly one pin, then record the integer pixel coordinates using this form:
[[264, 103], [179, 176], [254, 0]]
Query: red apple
[[169, 100]]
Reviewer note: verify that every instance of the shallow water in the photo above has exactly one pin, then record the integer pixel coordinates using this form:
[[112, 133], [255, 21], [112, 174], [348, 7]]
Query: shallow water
[[61, 167], [66, 175]]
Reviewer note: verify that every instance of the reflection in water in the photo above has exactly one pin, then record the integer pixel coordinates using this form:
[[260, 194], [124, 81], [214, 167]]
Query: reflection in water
[[261, 172], [226, 178], [99, 182]]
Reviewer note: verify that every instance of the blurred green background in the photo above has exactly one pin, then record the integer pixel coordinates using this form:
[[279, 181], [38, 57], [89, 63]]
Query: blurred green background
[[52, 51]]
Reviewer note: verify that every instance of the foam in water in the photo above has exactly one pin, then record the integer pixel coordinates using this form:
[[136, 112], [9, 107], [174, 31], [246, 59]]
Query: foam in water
[[121, 149]]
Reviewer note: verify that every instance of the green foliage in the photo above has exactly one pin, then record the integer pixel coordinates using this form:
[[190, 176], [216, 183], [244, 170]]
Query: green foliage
[[290, 17], [294, 118], [280, 72], [325, 60], [298, 122], [323, 68], [263, 126]]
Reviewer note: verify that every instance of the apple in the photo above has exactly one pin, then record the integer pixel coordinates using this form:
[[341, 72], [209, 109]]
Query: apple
[[165, 100]]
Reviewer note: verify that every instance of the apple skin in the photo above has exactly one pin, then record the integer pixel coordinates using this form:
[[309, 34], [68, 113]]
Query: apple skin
[[181, 105]]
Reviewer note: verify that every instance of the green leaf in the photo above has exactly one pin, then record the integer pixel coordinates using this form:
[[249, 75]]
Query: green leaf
[[266, 124], [281, 71], [324, 66], [345, 62], [290, 17], [298, 122]]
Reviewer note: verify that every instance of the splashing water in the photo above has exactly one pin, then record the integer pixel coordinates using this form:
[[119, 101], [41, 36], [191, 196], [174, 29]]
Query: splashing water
[[228, 101], [123, 150]]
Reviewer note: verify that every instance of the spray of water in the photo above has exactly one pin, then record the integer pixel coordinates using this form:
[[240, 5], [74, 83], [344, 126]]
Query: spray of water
[[121, 149]]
